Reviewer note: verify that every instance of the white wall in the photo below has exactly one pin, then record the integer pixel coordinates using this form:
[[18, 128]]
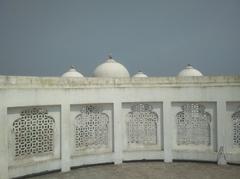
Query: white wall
[[63, 98]]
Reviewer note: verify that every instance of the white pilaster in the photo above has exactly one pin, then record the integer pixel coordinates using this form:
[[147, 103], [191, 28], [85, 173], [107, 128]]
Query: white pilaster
[[117, 136], [221, 127], [167, 131], [3, 142], [65, 138]]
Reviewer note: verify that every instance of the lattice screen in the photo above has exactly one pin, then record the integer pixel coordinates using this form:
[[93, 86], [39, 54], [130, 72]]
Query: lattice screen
[[91, 128], [142, 125], [236, 128], [193, 125], [34, 132]]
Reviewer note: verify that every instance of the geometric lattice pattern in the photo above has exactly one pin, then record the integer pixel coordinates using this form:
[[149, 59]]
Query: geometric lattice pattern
[[34, 133], [236, 128], [142, 125], [91, 128], [193, 125]]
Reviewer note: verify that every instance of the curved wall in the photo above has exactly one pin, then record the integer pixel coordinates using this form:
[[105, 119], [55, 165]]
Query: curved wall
[[55, 123]]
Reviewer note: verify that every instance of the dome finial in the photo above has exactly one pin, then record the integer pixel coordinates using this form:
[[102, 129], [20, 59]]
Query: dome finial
[[110, 56], [72, 67], [110, 59], [189, 66]]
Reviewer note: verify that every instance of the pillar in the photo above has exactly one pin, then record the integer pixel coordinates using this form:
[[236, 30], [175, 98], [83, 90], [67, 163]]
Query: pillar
[[3, 142], [167, 131], [65, 138], [117, 137]]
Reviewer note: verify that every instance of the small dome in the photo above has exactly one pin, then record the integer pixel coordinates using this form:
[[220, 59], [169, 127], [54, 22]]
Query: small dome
[[72, 72], [189, 71], [111, 69], [140, 74]]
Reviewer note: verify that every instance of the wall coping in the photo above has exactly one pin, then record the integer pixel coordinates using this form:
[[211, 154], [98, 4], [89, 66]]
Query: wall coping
[[25, 82]]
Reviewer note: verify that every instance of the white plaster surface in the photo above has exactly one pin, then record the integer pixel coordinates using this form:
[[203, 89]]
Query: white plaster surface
[[219, 94]]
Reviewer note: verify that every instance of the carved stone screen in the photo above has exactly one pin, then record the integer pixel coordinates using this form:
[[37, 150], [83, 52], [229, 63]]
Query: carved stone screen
[[193, 125], [34, 133], [142, 125], [236, 128], [91, 128]]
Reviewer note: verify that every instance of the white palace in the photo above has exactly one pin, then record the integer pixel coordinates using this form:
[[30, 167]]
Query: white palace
[[56, 123]]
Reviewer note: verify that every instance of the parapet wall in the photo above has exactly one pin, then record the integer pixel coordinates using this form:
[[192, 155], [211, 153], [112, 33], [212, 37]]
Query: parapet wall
[[58, 123]]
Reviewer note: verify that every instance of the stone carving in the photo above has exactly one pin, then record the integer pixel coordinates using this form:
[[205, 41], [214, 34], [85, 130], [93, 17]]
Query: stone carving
[[34, 133], [236, 128], [193, 125], [142, 125], [91, 128]]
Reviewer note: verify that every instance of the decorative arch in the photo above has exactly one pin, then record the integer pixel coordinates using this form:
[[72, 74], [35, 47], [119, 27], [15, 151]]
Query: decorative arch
[[34, 133], [236, 128], [193, 125], [142, 125], [91, 128]]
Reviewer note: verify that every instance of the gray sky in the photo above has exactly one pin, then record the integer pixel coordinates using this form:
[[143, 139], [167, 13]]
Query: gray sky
[[159, 37]]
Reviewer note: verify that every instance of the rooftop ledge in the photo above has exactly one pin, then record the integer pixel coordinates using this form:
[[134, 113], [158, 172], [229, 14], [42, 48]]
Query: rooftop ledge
[[61, 82]]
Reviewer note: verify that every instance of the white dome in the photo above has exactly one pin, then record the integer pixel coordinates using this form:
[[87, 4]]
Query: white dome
[[140, 74], [190, 71], [111, 69], [72, 72]]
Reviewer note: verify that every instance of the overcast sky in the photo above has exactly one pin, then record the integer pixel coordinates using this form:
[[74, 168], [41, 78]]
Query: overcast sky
[[159, 37]]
